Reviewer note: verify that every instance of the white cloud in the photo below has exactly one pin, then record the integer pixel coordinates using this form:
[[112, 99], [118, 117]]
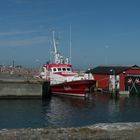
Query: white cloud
[[24, 42], [17, 33]]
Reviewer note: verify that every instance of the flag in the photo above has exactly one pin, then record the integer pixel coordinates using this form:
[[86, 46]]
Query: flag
[[137, 81], [129, 81]]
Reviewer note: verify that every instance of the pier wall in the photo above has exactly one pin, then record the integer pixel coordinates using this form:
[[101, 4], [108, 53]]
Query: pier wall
[[14, 88]]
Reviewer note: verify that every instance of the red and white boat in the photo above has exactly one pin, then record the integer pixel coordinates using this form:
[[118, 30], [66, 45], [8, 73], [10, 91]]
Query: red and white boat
[[62, 79]]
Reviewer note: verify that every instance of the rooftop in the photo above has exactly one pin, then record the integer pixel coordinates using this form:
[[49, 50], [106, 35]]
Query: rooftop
[[110, 69]]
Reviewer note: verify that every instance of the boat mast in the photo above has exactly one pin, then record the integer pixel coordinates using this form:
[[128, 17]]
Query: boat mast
[[57, 57]]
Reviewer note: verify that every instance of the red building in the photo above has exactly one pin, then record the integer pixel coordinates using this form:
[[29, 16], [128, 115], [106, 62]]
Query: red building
[[122, 78]]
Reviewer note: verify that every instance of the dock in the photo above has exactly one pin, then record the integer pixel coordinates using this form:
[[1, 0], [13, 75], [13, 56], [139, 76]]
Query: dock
[[19, 86], [20, 89]]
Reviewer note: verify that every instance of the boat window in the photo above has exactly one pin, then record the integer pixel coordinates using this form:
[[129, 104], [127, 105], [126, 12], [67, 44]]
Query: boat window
[[59, 69], [64, 69], [54, 69], [68, 69]]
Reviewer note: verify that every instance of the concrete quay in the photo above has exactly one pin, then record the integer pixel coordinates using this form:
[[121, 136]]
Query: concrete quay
[[113, 131], [20, 86], [20, 89]]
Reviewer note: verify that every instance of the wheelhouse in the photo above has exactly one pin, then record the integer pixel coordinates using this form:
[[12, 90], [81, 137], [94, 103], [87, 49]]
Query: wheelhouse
[[61, 69]]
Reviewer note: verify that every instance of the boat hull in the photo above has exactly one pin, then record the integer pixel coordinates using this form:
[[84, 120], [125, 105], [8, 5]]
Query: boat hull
[[73, 88]]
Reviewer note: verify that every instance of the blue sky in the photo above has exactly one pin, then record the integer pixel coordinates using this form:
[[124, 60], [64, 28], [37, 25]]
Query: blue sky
[[103, 32]]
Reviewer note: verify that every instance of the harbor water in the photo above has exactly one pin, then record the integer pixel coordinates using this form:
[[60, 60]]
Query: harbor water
[[68, 111]]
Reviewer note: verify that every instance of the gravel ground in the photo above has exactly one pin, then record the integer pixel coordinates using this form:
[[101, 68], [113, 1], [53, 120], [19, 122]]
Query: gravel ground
[[114, 131]]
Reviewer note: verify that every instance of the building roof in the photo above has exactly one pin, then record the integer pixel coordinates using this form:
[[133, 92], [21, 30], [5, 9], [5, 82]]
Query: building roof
[[110, 69]]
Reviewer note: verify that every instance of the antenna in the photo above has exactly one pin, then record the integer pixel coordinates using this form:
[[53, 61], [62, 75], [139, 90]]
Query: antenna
[[50, 51], [70, 43]]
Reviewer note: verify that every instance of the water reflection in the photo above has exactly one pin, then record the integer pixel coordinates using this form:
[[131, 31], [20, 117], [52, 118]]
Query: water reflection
[[67, 111], [114, 110], [124, 109]]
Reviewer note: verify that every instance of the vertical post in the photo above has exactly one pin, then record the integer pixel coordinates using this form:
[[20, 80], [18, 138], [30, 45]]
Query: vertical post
[[114, 83], [13, 65]]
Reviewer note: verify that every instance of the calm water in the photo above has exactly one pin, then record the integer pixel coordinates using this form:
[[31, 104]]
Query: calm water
[[67, 112]]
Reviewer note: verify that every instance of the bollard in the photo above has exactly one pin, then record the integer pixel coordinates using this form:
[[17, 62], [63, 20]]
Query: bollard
[[46, 90]]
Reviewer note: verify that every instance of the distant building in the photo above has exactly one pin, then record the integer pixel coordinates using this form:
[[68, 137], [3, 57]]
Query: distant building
[[121, 78]]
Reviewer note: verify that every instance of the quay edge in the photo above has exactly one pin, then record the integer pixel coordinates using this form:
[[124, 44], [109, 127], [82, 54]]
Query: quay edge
[[19, 89]]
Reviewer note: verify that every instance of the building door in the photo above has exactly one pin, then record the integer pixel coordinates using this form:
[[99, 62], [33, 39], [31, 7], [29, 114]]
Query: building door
[[132, 84]]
